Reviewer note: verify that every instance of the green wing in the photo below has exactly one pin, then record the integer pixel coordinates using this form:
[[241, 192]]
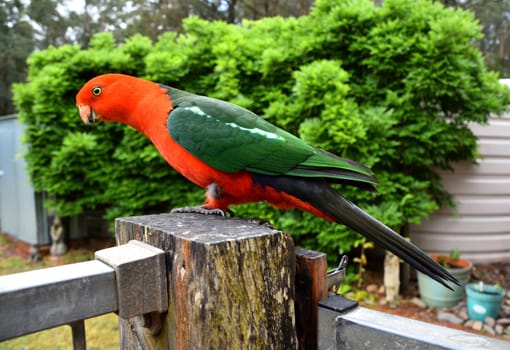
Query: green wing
[[231, 138]]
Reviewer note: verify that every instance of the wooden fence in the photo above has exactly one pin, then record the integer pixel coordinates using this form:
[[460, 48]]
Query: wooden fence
[[180, 281]]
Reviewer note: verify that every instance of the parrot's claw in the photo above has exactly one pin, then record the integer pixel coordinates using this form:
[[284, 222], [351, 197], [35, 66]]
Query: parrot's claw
[[200, 209]]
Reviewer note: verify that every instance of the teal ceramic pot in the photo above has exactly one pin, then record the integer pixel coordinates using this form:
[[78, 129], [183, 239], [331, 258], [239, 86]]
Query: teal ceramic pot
[[438, 296], [483, 300]]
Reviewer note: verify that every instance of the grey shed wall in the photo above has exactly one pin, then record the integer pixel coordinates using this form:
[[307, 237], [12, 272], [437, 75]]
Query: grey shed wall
[[17, 198], [480, 224]]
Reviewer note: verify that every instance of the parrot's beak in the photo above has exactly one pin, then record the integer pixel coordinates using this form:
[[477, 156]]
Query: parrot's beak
[[87, 114]]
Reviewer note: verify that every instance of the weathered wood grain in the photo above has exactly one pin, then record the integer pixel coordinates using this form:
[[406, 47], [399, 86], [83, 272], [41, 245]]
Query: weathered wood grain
[[230, 283]]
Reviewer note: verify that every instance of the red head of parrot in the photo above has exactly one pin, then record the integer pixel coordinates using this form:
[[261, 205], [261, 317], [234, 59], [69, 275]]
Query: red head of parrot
[[116, 97]]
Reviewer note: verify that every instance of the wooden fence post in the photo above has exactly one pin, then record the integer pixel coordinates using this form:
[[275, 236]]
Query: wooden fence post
[[311, 287], [230, 283]]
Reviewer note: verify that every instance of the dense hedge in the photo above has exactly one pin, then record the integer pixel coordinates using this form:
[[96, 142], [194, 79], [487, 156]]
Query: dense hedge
[[391, 86]]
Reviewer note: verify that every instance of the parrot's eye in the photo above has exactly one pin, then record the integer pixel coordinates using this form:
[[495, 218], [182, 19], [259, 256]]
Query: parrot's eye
[[96, 90]]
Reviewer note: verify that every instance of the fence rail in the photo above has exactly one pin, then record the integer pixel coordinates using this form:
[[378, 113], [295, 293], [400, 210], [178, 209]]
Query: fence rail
[[345, 326], [36, 300]]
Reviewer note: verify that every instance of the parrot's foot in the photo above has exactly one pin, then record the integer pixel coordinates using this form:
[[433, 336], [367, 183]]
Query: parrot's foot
[[200, 209]]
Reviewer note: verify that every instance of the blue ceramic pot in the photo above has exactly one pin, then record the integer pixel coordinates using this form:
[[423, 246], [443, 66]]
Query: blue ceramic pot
[[438, 296], [483, 300]]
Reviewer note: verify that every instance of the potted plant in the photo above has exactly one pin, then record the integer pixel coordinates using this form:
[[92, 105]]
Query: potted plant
[[483, 300], [436, 295]]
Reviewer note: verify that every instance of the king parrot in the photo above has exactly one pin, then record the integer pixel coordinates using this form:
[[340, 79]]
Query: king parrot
[[238, 157]]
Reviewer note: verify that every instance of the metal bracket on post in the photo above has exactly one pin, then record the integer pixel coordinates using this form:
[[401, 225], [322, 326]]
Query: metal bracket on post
[[140, 271], [337, 275]]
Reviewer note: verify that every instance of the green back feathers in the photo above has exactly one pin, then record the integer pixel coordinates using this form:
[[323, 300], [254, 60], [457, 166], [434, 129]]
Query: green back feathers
[[231, 138]]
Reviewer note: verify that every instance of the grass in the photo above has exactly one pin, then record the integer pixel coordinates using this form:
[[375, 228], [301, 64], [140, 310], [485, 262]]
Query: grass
[[102, 332]]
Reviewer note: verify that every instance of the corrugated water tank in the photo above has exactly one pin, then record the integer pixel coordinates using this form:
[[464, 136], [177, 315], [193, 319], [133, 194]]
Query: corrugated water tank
[[480, 224]]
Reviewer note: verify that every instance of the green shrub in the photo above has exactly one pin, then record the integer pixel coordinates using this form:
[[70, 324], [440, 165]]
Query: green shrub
[[392, 86]]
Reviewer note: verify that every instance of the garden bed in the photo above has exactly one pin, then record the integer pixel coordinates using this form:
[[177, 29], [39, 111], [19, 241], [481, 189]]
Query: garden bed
[[456, 317]]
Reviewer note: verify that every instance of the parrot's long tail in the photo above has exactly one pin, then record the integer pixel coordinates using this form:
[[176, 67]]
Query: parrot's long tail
[[328, 201]]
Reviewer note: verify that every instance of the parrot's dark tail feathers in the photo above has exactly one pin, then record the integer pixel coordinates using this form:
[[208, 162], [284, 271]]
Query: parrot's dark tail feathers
[[319, 194], [355, 218]]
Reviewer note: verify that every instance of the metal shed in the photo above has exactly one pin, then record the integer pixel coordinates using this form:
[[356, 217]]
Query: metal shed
[[21, 210]]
